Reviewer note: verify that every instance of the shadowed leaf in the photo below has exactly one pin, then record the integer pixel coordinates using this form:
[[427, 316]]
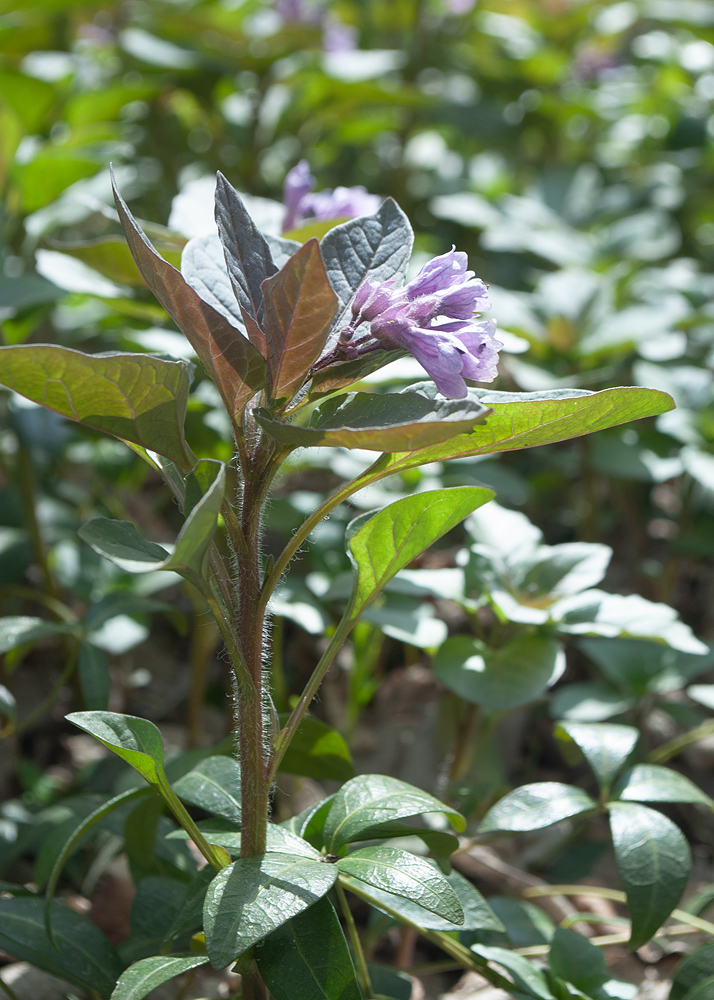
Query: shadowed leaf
[[133, 396], [213, 785], [299, 308]]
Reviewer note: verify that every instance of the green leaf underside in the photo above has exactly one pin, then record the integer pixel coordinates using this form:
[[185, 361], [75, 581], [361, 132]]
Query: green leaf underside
[[502, 678], [144, 976], [606, 746], [308, 958], [654, 860], [317, 751], [478, 915], [17, 630], [214, 785], [653, 783], [370, 799], [254, 896], [133, 396], [381, 544], [403, 874], [532, 807], [376, 246], [83, 957], [236, 366], [389, 422], [135, 740], [694, 972], [203, 265], [224, 834], [121, 543], [529, 980], [299, 309], [524, 420]]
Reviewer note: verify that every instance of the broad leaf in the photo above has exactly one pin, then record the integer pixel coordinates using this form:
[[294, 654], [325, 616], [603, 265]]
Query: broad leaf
[[370, 799], [18, 630], [606, 746], [133, 396], [652, 783], [247, 254], [403, 874], [281, 248], [236, 366], [94, 678], [573, 958], [214, 785], [144, 976], [317, 751], [203, 265], [381, 544], [254, 896], [308, 958], [280, 840], [526, 419], [532, 807], [440, 843], [639, 665], [527, 978], [390, 422], [694, 976], [478, 915], [375, 246], [120, 542], [654, 861], [299, 309], [502, 678], [83, 956], [135, 740]]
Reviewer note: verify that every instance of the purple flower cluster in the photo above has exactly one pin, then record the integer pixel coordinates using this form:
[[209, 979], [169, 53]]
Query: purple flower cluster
[[433, 317], [304, 205]]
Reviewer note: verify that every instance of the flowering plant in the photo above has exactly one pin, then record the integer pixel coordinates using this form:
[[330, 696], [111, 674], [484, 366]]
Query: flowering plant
[[276, 324]]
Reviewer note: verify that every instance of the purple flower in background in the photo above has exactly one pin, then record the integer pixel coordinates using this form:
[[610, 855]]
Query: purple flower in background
[[433, 317], [299, 12], [459, 6], [303, 206]]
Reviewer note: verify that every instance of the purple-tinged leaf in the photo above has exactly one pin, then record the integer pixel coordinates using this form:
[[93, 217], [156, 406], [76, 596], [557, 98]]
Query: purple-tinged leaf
[[235, 365], [299, 308]]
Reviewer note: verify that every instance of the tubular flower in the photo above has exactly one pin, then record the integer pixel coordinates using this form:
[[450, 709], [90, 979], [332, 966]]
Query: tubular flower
[[434, 318], [303, 205]]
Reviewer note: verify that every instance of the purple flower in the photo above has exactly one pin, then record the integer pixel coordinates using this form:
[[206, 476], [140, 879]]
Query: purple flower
[[303, 206], [432, 317], [459, 6]]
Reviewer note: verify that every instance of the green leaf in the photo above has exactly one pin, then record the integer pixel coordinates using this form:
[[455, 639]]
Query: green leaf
[[338, 376], [525, 924], [526, 419], [203, 265], [317, 751], [403, 874], [235, 365], [477, 914], [120, 542], [605, 745], [503, 678], [654, 861], [640, 665], [94, 678], [440, 843], [693, 977], [83, 956], [380, 544], [133, 396], [135, 740], [299, 309], [308, 958], [18, 630], [652, 783], [389, 422], [214, 785], [254, 896], [524, 975], [370, 799], [280, 840], [375, 246], [144, 976], [247, 254], [112, 258], [532, 807], [573, 958]]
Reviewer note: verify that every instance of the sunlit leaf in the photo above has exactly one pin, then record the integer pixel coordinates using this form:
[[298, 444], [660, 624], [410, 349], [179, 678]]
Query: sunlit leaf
[[317, 751], [213, 785], [534, 806], [606, 746], [144, 976], [653, 783]]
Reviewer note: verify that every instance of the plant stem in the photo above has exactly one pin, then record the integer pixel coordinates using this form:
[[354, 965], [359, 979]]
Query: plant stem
[[181, 813], [679, 743], [363, 978], [298, 713]]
